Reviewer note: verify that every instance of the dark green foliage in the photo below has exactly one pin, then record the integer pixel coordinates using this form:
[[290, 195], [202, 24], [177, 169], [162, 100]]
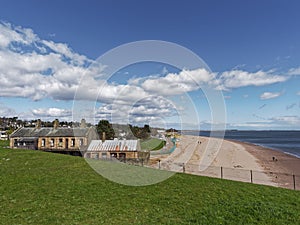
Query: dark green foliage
[[46, 188], [105, 126], [171, 130], [140, 132], [147, 128]]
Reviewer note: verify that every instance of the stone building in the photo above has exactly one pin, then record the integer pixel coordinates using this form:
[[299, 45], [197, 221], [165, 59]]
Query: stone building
[[116, 149], [54, 139]]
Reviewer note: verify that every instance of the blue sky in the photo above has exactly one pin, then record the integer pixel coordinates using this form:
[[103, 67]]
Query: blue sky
[[251, 47]]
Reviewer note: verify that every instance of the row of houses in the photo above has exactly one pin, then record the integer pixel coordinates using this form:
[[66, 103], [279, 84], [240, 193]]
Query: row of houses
[[3, 135], [79, 141]]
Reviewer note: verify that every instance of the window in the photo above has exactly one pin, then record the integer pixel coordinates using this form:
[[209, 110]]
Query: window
[[81, 141], [72, 142], [43, 142], [51, 142], [60, 142], [16, 143], [104, 156]]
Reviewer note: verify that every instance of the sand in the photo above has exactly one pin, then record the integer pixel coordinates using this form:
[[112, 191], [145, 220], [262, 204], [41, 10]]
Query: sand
[[231, 160]]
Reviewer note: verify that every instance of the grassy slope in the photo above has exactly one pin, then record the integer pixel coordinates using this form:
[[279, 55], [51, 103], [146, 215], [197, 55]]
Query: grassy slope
[[152, 144], [45, 188], [4, 143]]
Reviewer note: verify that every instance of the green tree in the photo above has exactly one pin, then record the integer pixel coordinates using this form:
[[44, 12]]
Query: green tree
[[140, 132], [147, 128], [105, 126]]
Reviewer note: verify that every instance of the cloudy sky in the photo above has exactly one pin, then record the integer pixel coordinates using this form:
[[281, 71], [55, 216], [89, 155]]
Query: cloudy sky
[[49, 51]]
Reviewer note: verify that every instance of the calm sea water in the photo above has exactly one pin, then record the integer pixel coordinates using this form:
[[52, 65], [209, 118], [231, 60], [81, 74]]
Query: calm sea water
[[286, 141]]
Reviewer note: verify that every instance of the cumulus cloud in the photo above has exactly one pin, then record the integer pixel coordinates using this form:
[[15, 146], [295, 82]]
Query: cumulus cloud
[[143, 111], [34, 68], [240, 78], [37, 69], [51, 112], [269, 95], [182, 82], [11, 34]]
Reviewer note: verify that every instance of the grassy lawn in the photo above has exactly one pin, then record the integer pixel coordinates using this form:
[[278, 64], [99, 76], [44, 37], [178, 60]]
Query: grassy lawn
[[4, 143], [44, 188], [152, 144]]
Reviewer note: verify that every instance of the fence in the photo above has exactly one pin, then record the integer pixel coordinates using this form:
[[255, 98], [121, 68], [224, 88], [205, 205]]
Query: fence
[[277, 179], [290, 181]]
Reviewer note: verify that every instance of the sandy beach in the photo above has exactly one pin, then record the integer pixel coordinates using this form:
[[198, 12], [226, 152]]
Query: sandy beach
[[231, 160]]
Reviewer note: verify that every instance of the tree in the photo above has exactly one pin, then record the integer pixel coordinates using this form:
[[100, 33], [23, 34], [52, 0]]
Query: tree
[[105, 126], [147, 128], [140, 132]]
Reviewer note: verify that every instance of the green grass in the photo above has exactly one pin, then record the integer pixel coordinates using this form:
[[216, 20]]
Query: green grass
[[44, 188], [4, 143], [152, 144]]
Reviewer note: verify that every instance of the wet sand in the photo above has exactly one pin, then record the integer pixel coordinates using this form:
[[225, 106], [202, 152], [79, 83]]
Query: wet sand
[[281, 169]]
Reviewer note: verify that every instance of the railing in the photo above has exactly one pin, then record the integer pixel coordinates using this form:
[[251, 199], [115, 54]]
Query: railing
[[285, 180], [277, 179]]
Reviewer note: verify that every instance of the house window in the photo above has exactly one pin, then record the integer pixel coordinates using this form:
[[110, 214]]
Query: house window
[[104, 156], [72, 142], [43, 142], [60, 142], [81, 141], [51, 142], [16, 143]]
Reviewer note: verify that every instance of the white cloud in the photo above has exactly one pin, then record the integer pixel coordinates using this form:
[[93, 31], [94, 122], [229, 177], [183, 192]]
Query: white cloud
[[294, 71], [45, 70], [287, 120], [255, 125], [149, 109], [7, 111], [280, 122], [51, 112], [269, 95], [298, 93], [11, 34], [65, 50], [34, 68], [176, 84], [240, 78]]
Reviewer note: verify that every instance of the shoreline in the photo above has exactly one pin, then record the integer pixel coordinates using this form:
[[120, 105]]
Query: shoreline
[[265, 147], [281, 169], [237, 159], [265, 157]]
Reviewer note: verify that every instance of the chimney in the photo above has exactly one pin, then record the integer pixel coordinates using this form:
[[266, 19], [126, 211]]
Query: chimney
[[83, 123], [103, 136], [55, 124], [38, 124]]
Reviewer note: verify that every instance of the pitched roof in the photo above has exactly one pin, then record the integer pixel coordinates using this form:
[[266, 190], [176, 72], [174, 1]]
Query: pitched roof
[[50, 132], [114, 145]]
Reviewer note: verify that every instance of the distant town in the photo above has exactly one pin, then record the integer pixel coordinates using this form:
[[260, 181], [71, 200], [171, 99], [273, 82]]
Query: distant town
[[101, 141]]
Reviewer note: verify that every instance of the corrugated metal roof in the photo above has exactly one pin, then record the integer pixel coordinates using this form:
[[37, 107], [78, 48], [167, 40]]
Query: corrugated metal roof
[[113, 145], [50, 132]]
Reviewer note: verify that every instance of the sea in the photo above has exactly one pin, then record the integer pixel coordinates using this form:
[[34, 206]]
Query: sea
[[285, 141]]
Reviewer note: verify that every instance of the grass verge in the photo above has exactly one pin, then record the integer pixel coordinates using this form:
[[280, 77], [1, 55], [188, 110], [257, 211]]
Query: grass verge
[[152, 144]]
